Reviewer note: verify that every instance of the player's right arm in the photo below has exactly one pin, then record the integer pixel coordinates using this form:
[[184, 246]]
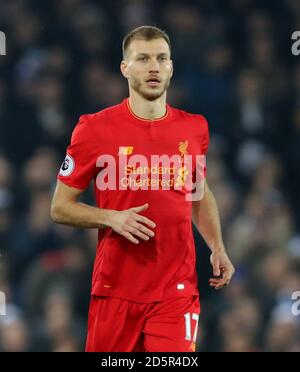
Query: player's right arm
[[75, 175], [67, 210]]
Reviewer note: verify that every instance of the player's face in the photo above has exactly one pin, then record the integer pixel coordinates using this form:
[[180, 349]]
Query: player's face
[[148, 67]]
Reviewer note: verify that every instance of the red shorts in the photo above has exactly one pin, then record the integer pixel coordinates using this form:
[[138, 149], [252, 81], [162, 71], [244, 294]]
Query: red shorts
[[117, 325]]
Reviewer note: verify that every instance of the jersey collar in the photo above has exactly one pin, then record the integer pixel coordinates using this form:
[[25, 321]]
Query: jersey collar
[[145, 122]]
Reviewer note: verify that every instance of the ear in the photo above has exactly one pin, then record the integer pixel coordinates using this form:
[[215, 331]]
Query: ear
[[124, 69], [172, 68]]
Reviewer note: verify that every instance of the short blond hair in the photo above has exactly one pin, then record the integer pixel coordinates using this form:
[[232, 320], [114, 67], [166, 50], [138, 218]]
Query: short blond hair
[[144, 33]]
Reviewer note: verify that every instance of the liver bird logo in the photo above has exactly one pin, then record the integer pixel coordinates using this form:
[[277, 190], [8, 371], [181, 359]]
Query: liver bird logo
[[183, 148]]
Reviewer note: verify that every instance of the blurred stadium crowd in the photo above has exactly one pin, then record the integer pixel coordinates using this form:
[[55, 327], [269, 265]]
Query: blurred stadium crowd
[[233, 63]]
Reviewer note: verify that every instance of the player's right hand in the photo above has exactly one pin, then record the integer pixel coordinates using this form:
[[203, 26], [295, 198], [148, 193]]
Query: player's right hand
[[130, 224]]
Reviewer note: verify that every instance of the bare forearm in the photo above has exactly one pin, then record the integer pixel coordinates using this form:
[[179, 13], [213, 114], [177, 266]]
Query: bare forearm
[[80, 215], [207, 221]]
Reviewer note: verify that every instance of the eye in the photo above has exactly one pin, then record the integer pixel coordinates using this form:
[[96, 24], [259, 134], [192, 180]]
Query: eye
[[163, 59]]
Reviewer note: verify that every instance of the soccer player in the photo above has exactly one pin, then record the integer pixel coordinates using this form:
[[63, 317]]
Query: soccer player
[[144, 287]]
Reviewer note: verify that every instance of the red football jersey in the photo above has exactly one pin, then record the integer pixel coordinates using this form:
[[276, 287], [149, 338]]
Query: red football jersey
[[116, 149]]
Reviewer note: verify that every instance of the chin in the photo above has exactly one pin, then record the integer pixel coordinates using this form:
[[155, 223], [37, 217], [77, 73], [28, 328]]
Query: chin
[[152, 96]]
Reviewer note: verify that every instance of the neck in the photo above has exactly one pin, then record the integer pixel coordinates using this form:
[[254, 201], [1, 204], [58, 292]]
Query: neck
[[149, 110]]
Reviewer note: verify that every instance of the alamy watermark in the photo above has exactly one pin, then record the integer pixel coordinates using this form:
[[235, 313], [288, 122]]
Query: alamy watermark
[[180, 172], [2, 44], [296, 305], [296, 44], [2, 303]]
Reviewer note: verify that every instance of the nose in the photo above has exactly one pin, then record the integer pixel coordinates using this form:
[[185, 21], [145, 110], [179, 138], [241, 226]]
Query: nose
[[154, 66]]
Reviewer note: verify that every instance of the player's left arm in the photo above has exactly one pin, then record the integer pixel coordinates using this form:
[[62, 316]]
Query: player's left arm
[[206, 218]]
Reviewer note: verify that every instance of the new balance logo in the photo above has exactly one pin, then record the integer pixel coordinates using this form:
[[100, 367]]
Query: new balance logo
[[125, 150]]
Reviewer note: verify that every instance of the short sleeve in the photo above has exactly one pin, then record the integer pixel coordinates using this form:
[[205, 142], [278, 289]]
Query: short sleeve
[[202, 147], [205, 135], [79, 166]]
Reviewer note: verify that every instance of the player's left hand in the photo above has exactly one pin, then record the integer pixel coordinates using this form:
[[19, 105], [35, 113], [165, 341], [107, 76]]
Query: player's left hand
[[222, 268]]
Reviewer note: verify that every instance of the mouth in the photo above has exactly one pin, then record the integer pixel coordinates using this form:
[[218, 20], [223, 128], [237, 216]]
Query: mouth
[[153, 81]]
